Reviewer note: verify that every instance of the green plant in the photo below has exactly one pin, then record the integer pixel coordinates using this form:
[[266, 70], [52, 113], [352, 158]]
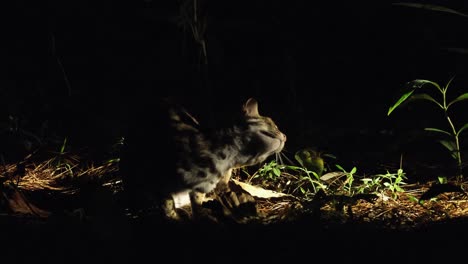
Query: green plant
[[307, 178], [394, 182], [369, 185], [62, 163], [442, 180], [300, 180], [312, 166], [348, 184], [289, 178], [452, 143], [269, 171], [311, 160], [379, 183], [115, 151]]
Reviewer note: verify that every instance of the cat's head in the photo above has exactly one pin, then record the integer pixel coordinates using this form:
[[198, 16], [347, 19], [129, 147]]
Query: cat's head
[[262, 137]]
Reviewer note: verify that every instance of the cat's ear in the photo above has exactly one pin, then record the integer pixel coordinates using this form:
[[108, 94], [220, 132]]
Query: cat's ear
[[251, 108]]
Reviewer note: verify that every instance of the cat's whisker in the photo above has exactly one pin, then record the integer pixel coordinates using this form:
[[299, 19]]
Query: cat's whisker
[[287, 159], [279, 159]]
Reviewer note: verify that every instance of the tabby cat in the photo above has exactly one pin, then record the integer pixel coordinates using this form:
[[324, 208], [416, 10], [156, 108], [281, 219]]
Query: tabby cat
[[173, 154]]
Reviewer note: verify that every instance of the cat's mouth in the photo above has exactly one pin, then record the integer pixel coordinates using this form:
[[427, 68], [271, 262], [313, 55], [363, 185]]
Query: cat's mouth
[[281, 144], [278, 141], [280, 136]]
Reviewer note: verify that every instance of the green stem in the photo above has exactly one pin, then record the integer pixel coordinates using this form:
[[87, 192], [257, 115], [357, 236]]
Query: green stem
[[454, 134], [457, 145]]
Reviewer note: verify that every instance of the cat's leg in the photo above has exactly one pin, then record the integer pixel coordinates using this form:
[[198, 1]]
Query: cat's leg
[[169, 209], [223, 184], [196, 201], [236, 202], [197, 198]]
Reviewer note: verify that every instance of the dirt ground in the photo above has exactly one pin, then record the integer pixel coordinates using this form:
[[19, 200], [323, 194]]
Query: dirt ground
[[49, 214]]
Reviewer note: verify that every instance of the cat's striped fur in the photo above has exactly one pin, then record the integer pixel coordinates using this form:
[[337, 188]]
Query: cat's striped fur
[[179, 155]]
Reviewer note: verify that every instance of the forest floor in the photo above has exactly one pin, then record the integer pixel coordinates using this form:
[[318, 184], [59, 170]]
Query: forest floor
[[63, 203]]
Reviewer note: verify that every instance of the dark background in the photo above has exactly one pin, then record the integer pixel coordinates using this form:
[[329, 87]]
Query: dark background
[[326, 72]]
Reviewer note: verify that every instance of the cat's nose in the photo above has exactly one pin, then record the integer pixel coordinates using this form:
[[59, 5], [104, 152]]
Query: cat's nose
[[284, 136]]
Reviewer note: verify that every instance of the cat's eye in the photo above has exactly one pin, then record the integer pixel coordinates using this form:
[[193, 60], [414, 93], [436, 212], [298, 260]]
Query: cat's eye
[[268, 133]]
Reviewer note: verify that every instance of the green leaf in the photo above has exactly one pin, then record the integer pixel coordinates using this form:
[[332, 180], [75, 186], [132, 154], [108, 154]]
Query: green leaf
[[424, 96], [366, 180], [437, 130], [419, 83], [412, 198], [276, 172], [451, 146], [458, 99], [327, 155], [62, 149], [465, 126], [315, 175], [432, 8], [448, 83], [299, 159], [400, 101], [442, 179], [413, 85], [340, 168], [400, 172], [398, 188]]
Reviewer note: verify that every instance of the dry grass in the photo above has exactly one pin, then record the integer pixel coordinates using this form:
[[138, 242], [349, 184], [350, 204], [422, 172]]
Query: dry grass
[[69, 175], [59, 175]]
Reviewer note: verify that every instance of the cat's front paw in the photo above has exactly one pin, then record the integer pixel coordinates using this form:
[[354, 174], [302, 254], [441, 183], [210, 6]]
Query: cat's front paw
[[204, 215], [240, 206], [232, 206]]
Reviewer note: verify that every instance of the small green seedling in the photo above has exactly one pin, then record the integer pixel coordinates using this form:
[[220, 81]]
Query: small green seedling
[[452, 143]]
